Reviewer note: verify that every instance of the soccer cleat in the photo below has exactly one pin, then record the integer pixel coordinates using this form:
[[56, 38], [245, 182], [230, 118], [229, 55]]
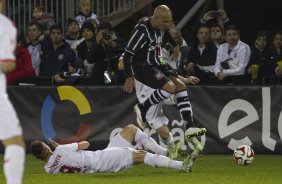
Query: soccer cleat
[[193, 131], [141, 116], [188, 162], [196, 144], [173, 149]]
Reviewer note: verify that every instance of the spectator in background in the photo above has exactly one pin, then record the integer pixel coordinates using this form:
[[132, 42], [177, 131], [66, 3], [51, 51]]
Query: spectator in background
[[180, 63], [274, 55], [56, 56], [24, 67], [113, 47], [216, 34], [33, 44], [85, 13], [232, 58], [258, 57], [91, 55], [202, 56], [39, 15], [73, 37], [216, 31]]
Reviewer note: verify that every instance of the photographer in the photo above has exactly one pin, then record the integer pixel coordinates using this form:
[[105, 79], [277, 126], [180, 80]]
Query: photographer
[[216, 31], [113, 47]]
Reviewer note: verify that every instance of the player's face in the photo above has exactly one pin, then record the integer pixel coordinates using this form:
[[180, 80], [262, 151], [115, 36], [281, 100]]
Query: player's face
[[37, 13], [33, 32], [164, 22], [56, 36], [232, 36], [277, 41], [85, 9], [203, 34], [261, 42]]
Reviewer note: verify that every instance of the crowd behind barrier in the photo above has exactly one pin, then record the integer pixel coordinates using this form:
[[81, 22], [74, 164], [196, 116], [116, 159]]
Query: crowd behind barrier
[[89, 51]]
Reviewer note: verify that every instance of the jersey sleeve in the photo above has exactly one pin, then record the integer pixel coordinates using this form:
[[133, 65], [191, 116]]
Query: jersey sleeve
[[8, 42], [68, 147], [137, 40]]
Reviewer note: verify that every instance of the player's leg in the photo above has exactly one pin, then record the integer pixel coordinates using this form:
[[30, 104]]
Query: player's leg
[[167, 138], [14, 159], [155, 79], [155, 160], [131, 133], [11, 137]]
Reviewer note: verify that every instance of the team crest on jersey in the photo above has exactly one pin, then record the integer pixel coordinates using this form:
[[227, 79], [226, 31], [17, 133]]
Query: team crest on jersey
[[159, 75]]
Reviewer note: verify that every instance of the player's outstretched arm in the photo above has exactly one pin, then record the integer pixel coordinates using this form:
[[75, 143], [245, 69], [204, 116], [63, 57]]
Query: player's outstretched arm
[[53, 143], [83, 145]]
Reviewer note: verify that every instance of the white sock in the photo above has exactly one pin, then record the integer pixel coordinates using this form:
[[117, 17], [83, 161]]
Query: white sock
[[169, 140], [149, 143], [119, 141], [14, 163], [155, 160]]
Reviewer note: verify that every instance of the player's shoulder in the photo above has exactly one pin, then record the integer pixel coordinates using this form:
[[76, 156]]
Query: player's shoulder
[[6, 24], [5, 21]]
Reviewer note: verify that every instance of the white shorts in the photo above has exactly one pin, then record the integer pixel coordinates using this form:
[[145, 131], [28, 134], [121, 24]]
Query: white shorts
[[9, 123], [155, 116], [112, 159]]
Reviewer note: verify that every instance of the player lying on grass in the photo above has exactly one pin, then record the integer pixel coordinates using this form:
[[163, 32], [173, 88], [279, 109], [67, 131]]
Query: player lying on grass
[[72, 158]]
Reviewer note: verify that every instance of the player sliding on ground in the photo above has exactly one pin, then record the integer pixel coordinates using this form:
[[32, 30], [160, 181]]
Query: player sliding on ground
[[73, 158]]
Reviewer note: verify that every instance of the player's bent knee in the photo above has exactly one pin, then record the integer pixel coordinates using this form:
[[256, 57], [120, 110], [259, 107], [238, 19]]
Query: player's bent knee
[[18, 140], [169, 87]]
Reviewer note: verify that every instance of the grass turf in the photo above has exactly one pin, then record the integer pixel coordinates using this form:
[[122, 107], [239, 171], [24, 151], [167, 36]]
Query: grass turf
[[210, 169]]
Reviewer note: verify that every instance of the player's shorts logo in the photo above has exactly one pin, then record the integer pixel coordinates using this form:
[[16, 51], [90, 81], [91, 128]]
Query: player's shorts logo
[[78, 99]]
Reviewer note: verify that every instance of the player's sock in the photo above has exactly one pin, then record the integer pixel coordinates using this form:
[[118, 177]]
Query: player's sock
[[149, 143], [14, 163], [185, 108], [162, 161], [156, 97], [169, 140]]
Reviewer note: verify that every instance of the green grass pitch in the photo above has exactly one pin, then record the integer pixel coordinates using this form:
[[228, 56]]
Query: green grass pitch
[[209, 169]]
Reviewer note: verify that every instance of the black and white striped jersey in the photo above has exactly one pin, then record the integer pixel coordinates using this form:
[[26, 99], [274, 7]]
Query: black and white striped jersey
[[145, 45]]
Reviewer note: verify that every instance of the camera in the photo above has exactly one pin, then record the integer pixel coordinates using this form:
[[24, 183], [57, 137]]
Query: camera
[[215, 13], [106, 35]]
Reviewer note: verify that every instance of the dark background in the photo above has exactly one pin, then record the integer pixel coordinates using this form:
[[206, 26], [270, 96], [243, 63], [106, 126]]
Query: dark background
[[248, 15]]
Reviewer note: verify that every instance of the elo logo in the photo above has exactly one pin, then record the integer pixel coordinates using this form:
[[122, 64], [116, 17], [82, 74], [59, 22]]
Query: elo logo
[[75, 96]]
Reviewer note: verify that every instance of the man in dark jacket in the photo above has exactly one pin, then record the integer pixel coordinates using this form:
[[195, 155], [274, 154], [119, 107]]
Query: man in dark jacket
[[56, 55]]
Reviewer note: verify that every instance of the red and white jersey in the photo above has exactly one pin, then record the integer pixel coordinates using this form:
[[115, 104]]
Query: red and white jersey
[[8, 35], [67, 159]]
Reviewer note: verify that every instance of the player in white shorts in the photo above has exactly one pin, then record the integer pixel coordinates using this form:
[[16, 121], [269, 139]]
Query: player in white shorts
[[10, 130], [72, 158]]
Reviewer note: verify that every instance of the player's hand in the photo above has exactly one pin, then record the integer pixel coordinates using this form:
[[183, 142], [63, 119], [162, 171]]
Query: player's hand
[[53, 143], [192, 80], [176, 53], [128, 85], [208, 16]]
